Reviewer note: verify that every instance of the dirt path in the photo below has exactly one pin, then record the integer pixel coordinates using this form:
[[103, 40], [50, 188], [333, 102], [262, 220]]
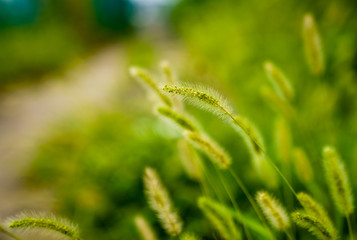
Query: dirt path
[[27, 115]]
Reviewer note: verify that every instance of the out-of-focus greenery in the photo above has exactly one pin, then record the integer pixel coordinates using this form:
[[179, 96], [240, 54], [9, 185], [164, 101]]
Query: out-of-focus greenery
[[95, 166], [41, 37], [95, 169], [229, 42]]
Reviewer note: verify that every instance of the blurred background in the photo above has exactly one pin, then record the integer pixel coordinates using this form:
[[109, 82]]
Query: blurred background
[[76, 131]]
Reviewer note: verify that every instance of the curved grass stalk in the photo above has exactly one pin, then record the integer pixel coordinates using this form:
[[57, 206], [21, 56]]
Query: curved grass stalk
[[148, 81], [179, 119], [235, 204], [280, 82], [251, 201], [4, 231], [43, 221]]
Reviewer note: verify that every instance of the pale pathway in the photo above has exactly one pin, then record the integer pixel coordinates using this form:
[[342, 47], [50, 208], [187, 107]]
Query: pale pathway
[[27, 116]]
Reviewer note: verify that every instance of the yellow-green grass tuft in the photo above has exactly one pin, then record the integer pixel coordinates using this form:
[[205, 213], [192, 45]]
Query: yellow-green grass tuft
[[337, 181], [273, 210], [161, 203]]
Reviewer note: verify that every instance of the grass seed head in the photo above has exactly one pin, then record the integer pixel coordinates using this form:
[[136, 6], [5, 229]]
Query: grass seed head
[[313, 46], [217, 155], [337, 181], [279, 80], [273, 210], [313, 224], [144, 228], [42, 224], [160, 202]]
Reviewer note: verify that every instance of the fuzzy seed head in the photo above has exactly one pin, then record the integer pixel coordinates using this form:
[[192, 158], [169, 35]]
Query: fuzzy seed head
[[313, 224], [217, 155], [280, 82], [161, 203], [42, 225], [144, 228], [303, 167], [316, 210], [338, 182], [273, 210], [202, 97], [313, 46]]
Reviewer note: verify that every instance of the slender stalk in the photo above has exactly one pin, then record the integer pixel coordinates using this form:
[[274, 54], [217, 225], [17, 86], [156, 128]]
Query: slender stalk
[[261, 149], [252, 202], [235, 204], [290, 237], [283, 177], [270, 161], [350, 232], [9, 234]]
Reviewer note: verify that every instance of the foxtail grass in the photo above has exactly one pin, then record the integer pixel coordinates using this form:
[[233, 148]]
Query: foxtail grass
[[9, 234], [313, 46], [280, 82], [313, 224], [302, 166], [212, 101], [147, 80], [315, 209], [161, 203], [338, 184], [217, 154], [33, 223], [144, 229], [273, 210], [337, 181], [179, 119]]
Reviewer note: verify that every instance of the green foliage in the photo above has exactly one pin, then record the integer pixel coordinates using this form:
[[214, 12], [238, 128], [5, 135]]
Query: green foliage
[[95, 166], [220, 219]]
